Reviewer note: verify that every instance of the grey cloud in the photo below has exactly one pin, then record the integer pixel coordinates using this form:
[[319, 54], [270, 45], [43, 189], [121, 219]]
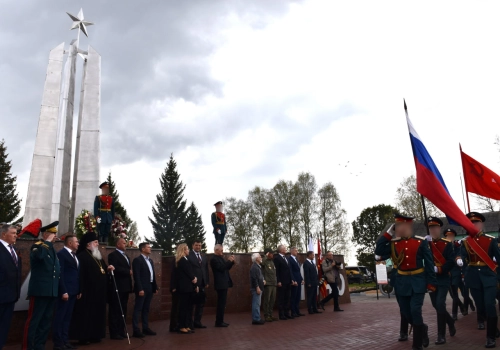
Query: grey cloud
[[151, 51]]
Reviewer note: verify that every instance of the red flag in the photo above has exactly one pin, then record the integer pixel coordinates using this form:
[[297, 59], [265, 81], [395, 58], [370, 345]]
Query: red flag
[[322, 286], [479, 179]]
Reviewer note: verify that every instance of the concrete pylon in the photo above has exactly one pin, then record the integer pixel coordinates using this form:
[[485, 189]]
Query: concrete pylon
[[39, 198], [62, 167], [87, 154]]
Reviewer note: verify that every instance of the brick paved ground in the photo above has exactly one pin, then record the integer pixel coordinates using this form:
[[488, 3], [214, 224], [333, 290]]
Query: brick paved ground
[[365, 324]]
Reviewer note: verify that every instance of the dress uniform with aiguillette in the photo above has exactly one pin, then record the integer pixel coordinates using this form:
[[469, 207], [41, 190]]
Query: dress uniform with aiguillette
[[456, 276], [42, 290], [477, 252], [104, 212], [219, 223], [416, 275], [444, 260]]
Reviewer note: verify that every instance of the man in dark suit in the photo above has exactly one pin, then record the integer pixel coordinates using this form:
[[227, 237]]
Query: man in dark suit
[[69, 292], [222, 281], [284, 282], [199, 264], [123, 278], [297, 282], [311, 282], [10, 270], [144, 286]]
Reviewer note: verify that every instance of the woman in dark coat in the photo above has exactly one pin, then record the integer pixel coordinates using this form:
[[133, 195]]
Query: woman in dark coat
[[186, 287]]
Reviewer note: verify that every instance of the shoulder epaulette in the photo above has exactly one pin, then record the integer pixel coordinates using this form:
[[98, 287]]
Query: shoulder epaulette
[[446, 240], [419, 237], [489, 236], [39, 242], [396, 239]]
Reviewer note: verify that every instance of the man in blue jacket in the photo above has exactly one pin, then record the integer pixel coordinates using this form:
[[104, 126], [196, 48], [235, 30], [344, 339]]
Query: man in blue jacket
[[69, 291], [297, 282], [311, 282], [10, 269]]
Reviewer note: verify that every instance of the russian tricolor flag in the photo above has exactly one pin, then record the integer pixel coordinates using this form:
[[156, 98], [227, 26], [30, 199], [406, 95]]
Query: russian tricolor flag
[[430, 183]]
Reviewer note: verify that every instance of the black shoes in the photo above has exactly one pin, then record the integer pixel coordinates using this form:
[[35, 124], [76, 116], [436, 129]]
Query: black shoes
[[148, 331], [490, 343], [283, 318], [317, 312], [223, 324], [322, 305], [337, 309], [290, 317], [403, 337], [452, 329], [299, 314], [481, 326], [69, 346], [440, 340], [454, 317], [199, 325], [138, 335], [260, 322]]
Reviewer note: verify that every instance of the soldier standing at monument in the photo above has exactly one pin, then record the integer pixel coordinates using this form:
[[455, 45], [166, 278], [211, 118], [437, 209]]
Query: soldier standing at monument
[[104, 212], [442, 252], [42, 290], [415, 273], [478, 252], [219, 223]]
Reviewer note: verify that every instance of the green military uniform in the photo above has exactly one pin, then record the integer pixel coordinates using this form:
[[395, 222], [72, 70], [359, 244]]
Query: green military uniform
[[269, 272], [42, 291]]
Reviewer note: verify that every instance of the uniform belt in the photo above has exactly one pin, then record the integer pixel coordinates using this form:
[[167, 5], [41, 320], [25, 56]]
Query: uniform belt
[[102, 209], [477, 263], [411, 272]]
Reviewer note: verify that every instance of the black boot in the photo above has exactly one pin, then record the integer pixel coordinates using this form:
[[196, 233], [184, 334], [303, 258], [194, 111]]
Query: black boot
[[403, 329], [441, 324], [451, 324], [417, 337], [491, 332], [425, 335]]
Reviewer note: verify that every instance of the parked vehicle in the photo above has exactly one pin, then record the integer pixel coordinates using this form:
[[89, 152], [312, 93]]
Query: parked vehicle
[[358, 274]]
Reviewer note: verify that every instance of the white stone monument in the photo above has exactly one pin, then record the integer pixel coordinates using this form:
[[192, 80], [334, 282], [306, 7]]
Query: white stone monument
[[49, 191]]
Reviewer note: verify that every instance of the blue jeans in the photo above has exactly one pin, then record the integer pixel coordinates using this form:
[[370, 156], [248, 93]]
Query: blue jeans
[[256, 305]]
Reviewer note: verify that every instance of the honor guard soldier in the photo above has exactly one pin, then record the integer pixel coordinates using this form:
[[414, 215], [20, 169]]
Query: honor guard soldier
[[478, 253], [219, 223], [415, 271], [104, 212], [403, 325], [456, 276], [43, 287], [444, 260]]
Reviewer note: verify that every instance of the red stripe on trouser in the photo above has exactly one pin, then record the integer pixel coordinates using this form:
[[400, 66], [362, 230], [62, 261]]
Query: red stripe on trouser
[[27, 325]]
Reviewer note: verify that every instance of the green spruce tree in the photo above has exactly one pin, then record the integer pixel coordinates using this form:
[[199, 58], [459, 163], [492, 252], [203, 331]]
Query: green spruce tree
[[10, 204], [119, 208], [194, 228], [169, 211]]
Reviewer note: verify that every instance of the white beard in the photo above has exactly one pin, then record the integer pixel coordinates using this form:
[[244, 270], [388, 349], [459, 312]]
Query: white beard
[[96, 253]]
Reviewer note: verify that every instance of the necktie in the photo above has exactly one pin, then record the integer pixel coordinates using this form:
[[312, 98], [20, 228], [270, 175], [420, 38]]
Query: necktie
[[284, 257], [14, 257], [74, 257], [199, 257], [126, 258]]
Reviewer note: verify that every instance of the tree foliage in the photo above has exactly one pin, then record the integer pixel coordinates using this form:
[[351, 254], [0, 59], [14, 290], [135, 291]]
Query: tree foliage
[[193, 228], [119, 208], [366, 229], [169, 211], [239, 220], [10, 204], [287, 198], [308, 199], [409, 201]]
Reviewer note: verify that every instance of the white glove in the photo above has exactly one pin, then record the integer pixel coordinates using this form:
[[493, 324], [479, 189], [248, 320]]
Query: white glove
[[218, 231], [494, 259], [99, 220], [391, 230], [377, 257], [460, 242], [460, 262], [429, 238], [435, 269]]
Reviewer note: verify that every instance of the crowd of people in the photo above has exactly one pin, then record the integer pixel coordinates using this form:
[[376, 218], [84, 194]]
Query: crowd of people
[[69, 289], [440, 266]]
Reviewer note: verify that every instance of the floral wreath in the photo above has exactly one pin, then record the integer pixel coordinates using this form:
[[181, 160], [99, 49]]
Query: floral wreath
[[119, 229], [85, 222]]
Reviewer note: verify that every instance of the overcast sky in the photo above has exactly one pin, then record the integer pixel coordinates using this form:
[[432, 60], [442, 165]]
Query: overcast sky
[[245, 93]]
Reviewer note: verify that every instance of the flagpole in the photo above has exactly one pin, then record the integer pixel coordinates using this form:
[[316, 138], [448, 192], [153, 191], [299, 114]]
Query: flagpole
[[463, 171], [425, 214], [463, 193]]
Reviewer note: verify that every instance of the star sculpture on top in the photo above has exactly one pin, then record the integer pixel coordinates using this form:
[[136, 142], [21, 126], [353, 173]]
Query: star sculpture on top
[[79, 23]]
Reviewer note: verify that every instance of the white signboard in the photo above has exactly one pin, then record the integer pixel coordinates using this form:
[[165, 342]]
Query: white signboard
[[381, 271]]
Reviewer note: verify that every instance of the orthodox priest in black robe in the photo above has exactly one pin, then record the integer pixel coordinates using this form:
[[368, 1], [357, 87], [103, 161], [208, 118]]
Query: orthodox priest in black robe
[[88, 324]]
